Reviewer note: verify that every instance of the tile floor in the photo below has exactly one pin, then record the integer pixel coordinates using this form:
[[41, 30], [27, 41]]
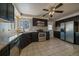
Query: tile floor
[[53, 47]]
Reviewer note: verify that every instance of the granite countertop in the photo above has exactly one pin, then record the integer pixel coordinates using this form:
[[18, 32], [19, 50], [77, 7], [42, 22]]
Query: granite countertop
[[11, 38], [2, 46]]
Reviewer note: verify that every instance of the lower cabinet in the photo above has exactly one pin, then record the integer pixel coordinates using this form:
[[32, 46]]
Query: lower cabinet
[[34, 36], [57, 34], [25, 39], [21, 42], [77, 38], [5, 51], [14, 47], [47, 35]]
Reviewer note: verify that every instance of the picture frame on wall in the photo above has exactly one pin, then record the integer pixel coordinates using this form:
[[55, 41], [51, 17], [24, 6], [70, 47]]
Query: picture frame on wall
[[24, 24]]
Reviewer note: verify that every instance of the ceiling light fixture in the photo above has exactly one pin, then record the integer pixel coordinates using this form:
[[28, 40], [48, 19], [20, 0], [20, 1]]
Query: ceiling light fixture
[[51, 13]]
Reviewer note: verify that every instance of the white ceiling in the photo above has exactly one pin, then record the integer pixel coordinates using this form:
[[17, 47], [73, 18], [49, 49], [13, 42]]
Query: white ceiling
[[35, 9]]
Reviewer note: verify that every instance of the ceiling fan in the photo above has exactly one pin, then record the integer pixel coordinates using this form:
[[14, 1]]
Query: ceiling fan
[[53, 10]]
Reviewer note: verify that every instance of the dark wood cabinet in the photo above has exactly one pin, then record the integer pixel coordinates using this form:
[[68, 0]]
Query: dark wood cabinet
[[42, 22], [47, 35], [77, 37], [57, 34], [10, 12], [21, 42], [5, 51], [7, 11], [76, 29], [34, 36], [3, 10], [25, 39]]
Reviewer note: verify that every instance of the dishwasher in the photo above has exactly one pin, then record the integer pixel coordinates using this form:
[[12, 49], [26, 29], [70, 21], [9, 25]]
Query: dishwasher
[[14, 48]]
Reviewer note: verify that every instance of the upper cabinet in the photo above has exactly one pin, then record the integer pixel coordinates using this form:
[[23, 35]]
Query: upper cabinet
[[3, 10], [10, 12], [40, 22], [7, 11]]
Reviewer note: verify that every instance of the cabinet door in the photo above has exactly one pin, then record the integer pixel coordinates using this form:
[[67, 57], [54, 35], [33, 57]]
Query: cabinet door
[[22, 42], [62, 29], [10, 12], [46, 22], [3, 10], [7, 11], [70, 31], [47, 36], [34, 36], [5, 51], [25, 39]]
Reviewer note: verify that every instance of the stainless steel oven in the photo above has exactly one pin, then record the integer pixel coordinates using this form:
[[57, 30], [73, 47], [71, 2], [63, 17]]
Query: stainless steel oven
[[42, 36]]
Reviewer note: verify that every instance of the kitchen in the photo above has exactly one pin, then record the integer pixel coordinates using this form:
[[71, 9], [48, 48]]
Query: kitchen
[[19, 30]]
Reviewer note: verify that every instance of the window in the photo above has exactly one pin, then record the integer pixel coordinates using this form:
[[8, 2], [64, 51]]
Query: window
[[49, 27]]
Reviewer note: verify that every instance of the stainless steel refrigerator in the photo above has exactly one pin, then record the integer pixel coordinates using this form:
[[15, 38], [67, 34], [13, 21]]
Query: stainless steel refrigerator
[[69, 26], [62, 31]]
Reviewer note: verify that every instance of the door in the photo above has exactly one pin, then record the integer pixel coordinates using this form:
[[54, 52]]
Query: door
[[70, 31], [62, 33]]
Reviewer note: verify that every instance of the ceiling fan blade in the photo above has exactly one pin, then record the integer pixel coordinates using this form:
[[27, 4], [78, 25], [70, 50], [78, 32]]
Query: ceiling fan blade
[[45, 9], [59, 11], [59, 5], [45, 14]]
